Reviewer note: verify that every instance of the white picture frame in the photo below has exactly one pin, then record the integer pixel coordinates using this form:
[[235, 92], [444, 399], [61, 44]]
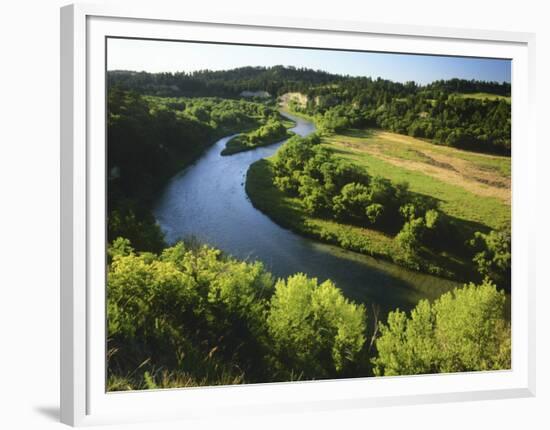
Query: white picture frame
[[84, 400]]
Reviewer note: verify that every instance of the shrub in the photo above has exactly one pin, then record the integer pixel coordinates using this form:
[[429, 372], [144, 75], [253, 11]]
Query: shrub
[[464, 330], [314, 330]]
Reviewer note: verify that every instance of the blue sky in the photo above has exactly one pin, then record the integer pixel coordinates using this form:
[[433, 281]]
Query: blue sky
[[164, 56]]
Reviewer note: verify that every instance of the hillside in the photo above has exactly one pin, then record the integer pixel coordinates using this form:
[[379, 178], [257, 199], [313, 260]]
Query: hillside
[[277, 80], [470, 191]]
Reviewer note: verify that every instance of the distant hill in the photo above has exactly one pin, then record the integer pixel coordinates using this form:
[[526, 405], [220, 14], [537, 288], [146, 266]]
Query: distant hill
[[469, 87], [278, 80], [227, 83], [466, 114]]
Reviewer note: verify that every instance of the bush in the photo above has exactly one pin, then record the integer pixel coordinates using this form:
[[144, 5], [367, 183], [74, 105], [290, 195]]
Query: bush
[[193, 316], [464, 330], [190, 310], [494, 255], [314, 330], [411, 235]]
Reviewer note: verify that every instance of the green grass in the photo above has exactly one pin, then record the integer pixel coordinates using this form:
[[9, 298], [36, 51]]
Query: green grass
[[482, 96], [454, 200], [414, 149], [468, 211], [289, 213]]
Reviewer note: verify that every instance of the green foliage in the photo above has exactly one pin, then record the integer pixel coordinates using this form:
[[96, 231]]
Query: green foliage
[[273, 129], [493, 256], [316, 332], [463, 330], [142, 231], [291, 212], [480, 124], [194, 316], [447, 112], [352, 201], [374, 212], [332, 188], [271, 132], [149, 139], [309, 217], [189, 315], [410, 236], [190, 310]]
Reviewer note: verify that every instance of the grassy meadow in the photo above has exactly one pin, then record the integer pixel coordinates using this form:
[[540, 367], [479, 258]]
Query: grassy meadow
[[470, 186], [472, 189], [483, 96]]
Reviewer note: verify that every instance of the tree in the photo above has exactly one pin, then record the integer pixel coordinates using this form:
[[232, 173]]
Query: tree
[[314, 330], [352, 201], [410, 236], [314, 198], [494, 255], [463, 330], [374, 212]]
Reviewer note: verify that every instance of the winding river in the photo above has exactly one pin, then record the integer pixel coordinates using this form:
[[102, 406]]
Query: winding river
[[208, 201]]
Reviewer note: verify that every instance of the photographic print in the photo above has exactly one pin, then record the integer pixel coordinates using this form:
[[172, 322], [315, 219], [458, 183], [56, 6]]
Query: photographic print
[[282, 214]]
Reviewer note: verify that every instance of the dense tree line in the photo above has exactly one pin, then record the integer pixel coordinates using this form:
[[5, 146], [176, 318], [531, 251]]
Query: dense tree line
[[468, 86], [461, 122], [194, 316], [275, 80], [149, 139], [432, 111]]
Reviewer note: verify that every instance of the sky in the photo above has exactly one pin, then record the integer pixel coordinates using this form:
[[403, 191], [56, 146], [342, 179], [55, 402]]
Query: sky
[[165, 56]]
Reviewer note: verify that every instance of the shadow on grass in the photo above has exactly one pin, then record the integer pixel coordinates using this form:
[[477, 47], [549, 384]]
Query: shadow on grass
[[358, 133]]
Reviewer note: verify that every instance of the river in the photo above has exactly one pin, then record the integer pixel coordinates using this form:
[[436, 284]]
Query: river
[[208, 201]]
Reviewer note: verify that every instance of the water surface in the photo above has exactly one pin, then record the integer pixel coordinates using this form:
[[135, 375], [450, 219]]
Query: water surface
[[207, 200]]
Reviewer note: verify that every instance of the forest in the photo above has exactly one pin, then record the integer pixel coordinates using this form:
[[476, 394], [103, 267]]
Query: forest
[[437, 111], [418, 175]]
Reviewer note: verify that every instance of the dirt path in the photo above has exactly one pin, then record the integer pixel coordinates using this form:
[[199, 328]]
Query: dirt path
[[449, 169]]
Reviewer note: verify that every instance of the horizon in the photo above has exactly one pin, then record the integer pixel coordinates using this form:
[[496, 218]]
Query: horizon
[[154, 56], [297, 68]]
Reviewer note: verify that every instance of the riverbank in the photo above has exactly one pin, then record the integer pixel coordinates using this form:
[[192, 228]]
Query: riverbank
[[243, 142], [208, 202], [150, 140], [289, 213], [268, 133], [288, 110], [472, 191]]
